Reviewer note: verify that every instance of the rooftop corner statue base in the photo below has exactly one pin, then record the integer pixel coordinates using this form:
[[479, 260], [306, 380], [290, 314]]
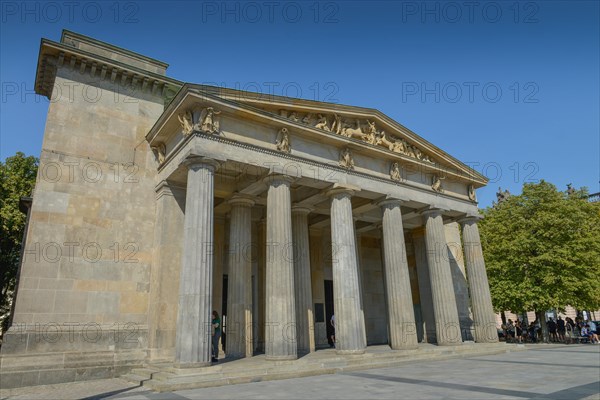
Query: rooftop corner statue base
[[276, 215]]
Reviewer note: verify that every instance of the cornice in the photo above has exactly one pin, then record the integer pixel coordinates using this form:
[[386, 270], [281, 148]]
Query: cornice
[[53, 55]]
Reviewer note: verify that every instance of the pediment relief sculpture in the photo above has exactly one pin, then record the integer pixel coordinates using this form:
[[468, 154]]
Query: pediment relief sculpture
[[283, 141], [200, 120], [364, 130], [346, 160], [160, 152]]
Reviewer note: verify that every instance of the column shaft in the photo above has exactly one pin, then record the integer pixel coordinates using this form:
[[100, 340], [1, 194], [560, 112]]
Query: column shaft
[[350, 324], [239, 281], [280, 324], [481, 300], [401, 316], [459, 279], [442, 288], [193, 338], [302, 281], [427, 313]]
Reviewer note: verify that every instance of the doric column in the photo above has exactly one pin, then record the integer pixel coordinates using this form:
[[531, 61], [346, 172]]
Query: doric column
[[349, 321], [442, 289], [427, 313], [304, 311], [360, 268], [239, 280], [401, 315], [280, 324], [193, 338], [481, 301], [261, 250], [459, 279]]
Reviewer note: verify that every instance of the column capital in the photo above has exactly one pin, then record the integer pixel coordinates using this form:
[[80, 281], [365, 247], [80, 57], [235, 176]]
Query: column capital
[[342, 189], [193, 161], [275, 179], [432, 212], [240, 199], [389, 201], [303, 210], [469, 219]]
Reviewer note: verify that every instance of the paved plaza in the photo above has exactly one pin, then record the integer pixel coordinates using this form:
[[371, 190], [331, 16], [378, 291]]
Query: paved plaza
[[542, 372]]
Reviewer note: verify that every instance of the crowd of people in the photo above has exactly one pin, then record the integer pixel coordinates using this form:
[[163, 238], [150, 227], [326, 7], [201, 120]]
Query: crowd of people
[[560, 331]]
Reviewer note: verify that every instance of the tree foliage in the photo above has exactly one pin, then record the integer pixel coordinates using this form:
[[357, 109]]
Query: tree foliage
[[542, 250], [17, 179]]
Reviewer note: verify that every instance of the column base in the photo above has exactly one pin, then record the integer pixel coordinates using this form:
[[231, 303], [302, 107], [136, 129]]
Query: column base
[[281, 358], [350, 352], [412, 347], [450, 344], [487, 341], [192, 365]]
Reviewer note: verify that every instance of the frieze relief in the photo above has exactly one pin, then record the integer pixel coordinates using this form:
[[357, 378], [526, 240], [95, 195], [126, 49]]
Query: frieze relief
[[436, 184], [160, 152], [471, 193], [346, 159], [200, 120], [364, 130], [395, 172], [283, 141]]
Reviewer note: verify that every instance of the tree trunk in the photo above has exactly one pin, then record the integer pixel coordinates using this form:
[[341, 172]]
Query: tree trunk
[[503, 317], [541, 317]]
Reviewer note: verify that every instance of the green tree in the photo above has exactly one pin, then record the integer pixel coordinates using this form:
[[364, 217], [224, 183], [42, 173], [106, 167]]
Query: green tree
[[17, 179], [542, 251]]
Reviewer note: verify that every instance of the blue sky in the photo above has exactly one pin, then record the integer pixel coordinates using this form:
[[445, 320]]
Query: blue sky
[[511, 88]]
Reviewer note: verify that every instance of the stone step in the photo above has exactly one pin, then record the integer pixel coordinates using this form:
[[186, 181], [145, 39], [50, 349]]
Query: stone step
[[257, 369], [134, 378], [144, 371]]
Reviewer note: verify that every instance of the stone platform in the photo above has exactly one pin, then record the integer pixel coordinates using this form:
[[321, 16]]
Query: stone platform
[[165, 377]]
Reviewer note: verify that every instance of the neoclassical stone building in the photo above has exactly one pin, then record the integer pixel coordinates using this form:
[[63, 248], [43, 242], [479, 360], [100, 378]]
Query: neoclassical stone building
[[158, 201]]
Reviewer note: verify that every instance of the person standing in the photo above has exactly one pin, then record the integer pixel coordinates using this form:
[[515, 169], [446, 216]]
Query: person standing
[[510, 331], [332, 322], [552, 329], [569, 330], [561, 328], [518, 331], [216, 335]]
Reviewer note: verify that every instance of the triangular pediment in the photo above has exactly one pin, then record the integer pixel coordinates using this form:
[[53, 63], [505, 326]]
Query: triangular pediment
[[361, 126], [367, 125]]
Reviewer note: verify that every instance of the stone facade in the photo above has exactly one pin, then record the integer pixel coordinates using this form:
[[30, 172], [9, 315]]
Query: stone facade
[[153, 191]]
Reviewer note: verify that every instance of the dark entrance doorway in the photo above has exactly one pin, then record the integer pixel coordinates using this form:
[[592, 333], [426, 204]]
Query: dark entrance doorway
[[224, 313], [329, 310]]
